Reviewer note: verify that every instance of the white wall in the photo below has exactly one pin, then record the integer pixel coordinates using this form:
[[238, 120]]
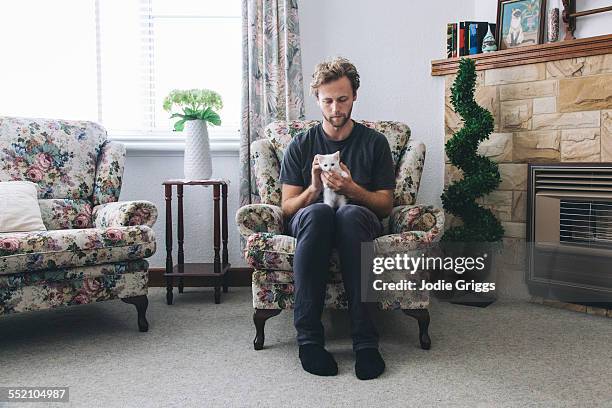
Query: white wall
[[392, 43], [588, 26]]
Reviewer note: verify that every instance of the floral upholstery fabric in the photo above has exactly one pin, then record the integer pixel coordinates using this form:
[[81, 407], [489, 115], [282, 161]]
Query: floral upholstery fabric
[[410, 227], [65, 213], [267, 295], [31, 251], [74, 286], [124, 213], [408, 174], [59, 156], [109, 172], [266, 169], [267, 252], [407, 218], [254, 218]]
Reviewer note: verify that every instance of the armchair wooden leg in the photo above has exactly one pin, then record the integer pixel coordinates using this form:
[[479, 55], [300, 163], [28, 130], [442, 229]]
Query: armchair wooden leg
[[141, 303], [259, 318], [422, 317]]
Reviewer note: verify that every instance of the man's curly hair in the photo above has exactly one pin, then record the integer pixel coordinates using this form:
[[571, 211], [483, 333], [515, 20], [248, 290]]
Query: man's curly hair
[[328, 71]]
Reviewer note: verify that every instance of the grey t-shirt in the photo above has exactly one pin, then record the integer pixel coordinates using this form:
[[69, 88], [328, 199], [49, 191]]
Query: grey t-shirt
[[365, 152]]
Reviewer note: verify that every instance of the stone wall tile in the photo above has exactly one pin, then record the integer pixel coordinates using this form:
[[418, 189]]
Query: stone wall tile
[[572, 120], [544, 105], [536, 146], [510, 75], [516, 115], [581, 145], [487, 97], [565, 68], [585, 94], [606, 136], [598, 64], [519, 206], [498, 147], [513, 175], [528, 90]]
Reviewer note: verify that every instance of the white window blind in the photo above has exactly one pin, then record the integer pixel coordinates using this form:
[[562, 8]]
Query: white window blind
[[48, 64], [114, 61]]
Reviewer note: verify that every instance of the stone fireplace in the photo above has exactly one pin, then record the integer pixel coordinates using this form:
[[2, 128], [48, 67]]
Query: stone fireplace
[[546, 109]]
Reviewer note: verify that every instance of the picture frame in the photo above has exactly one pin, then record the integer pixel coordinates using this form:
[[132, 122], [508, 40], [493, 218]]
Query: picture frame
[[520, 23]]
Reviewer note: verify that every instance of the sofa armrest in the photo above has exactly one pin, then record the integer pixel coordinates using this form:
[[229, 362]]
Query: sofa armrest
[[412, 228], [410, 218], [124, 213], [254, 218]]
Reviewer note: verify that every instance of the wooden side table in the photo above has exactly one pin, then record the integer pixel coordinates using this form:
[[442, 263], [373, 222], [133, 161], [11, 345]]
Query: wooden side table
[[215, 270]]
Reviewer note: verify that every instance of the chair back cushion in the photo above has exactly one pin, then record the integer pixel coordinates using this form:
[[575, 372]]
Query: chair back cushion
[[279, 134], [60, 157]]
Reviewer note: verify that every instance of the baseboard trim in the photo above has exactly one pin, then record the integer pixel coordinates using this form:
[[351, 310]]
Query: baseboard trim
[[236, 277]]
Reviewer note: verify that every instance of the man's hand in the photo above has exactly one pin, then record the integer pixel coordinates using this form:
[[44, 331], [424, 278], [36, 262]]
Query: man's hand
[[340, 183], [316, 184], [296, 197], [380, 201]]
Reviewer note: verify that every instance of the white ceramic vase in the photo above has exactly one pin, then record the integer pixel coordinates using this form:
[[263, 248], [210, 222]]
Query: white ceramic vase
[[197, 164]]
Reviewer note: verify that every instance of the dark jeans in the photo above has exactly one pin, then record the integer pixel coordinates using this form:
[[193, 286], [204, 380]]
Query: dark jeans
[[318, 229]]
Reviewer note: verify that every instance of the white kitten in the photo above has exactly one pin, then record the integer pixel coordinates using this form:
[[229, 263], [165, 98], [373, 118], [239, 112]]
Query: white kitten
[[331, 163]]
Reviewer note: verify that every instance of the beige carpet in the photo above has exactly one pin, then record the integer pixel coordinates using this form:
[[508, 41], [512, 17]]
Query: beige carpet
[[199, 354]]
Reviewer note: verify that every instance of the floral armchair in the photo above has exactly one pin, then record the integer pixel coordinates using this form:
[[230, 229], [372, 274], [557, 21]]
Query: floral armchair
[[94, 247], [270, 253]]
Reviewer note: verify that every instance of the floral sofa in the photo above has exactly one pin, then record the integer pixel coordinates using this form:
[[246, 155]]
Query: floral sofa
[[94, 246], [270, 253]]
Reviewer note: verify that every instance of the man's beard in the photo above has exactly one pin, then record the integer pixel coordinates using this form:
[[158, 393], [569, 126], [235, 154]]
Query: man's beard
[[338, 121]]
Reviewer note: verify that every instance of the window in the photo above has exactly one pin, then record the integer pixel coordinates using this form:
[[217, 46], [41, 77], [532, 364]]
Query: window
[[114, 61]]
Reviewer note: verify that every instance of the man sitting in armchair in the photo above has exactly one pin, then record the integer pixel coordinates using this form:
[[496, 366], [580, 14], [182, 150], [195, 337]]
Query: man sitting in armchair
[[367, 184]]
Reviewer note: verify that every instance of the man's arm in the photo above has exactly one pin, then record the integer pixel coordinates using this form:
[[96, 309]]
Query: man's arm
[[296, 197], [379, 201]]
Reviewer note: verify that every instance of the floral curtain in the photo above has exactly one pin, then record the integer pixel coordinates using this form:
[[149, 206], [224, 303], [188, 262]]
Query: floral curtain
[[271, 76]]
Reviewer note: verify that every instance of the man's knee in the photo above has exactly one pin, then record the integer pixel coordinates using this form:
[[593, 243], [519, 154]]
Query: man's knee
[[318, 216], [355, 220], [352, 213]]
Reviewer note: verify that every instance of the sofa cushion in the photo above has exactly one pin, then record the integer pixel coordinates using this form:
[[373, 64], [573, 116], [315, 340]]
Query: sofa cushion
[[19, 210], [32, 251], [74, 286], [59, 156]]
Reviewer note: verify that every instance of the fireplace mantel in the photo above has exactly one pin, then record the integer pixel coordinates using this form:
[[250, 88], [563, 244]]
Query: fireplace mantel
[[531, 54]]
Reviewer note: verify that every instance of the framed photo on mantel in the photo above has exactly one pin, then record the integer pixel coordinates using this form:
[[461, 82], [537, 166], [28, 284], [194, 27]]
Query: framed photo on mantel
[[520, 23]]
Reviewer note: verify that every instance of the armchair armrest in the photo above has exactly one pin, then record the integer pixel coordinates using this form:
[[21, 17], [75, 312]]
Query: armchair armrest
[[411, 227], [409, 218], [254, 218], [124, 213]]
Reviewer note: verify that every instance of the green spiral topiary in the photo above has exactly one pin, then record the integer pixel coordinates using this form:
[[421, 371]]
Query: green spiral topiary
[[480, 174]]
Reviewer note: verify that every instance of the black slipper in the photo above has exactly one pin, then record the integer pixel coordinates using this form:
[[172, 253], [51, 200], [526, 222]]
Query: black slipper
[[369, 364], [318, 361]]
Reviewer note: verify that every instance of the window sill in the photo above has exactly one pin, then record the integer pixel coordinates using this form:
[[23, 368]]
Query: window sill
[[223, 142]]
